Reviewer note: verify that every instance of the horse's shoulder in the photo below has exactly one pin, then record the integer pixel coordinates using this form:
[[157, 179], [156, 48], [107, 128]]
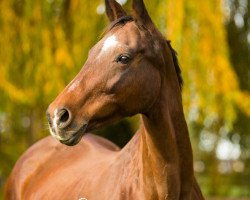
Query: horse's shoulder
[[48, 146], [26, 165], [47, 154], [38, 151], [49, 149]]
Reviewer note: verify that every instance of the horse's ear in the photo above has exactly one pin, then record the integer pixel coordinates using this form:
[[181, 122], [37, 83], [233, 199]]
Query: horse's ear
[[114, 10], [141, 15]]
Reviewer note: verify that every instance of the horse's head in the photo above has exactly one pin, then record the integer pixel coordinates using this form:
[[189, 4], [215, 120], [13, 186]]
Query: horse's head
[[121, 77]]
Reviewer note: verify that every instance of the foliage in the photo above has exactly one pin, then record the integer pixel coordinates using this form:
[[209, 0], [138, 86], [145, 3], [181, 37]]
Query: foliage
[[45, 43]]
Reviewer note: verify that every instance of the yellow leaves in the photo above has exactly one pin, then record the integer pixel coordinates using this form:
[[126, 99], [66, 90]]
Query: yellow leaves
[[63, 57], [243, 102], [174, 20], [15, 94], [73, 5], [36, 12], [198, 33], [226, 78], [6, 11]]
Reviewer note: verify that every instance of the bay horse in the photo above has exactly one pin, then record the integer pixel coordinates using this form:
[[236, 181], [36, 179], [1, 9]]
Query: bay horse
[[131, 70]]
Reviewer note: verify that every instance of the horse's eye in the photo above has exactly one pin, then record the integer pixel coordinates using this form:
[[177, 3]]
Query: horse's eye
[[124, 59]]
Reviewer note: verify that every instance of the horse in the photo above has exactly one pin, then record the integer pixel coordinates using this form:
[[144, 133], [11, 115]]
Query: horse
[[131, 70]]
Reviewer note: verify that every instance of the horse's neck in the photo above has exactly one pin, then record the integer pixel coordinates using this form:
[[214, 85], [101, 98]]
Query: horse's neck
[[160, 162], [163, 149]]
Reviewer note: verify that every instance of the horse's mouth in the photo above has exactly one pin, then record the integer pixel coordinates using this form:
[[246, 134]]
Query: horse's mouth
[[76, 137]]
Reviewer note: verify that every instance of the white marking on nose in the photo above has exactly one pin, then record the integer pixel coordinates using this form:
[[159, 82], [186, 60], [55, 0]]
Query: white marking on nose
[[54, 134], [109, 43], [58, 137], [73, 86], [55, 118]]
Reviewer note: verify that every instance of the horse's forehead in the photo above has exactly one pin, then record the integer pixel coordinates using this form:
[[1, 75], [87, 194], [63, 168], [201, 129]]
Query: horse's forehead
[[110, 42], [129, 34], [117, 39]]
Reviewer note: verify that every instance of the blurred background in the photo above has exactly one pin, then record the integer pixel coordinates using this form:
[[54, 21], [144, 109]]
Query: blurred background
[[44, 43]]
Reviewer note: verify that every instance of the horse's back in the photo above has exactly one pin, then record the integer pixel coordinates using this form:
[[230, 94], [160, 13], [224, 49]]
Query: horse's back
[[48, 162]]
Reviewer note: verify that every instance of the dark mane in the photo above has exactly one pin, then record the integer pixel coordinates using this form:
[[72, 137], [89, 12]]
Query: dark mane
[[176, 63], [121, 21]]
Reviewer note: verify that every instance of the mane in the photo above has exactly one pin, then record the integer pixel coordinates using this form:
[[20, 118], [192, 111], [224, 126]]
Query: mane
[[123, 20], [119, 22], [176, 63]]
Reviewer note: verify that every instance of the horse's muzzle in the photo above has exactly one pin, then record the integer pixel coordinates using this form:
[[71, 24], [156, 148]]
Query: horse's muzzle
[[76, 137]]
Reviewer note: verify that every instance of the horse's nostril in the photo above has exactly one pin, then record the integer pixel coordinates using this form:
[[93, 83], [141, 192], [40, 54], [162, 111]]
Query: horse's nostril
[[63, 118]]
